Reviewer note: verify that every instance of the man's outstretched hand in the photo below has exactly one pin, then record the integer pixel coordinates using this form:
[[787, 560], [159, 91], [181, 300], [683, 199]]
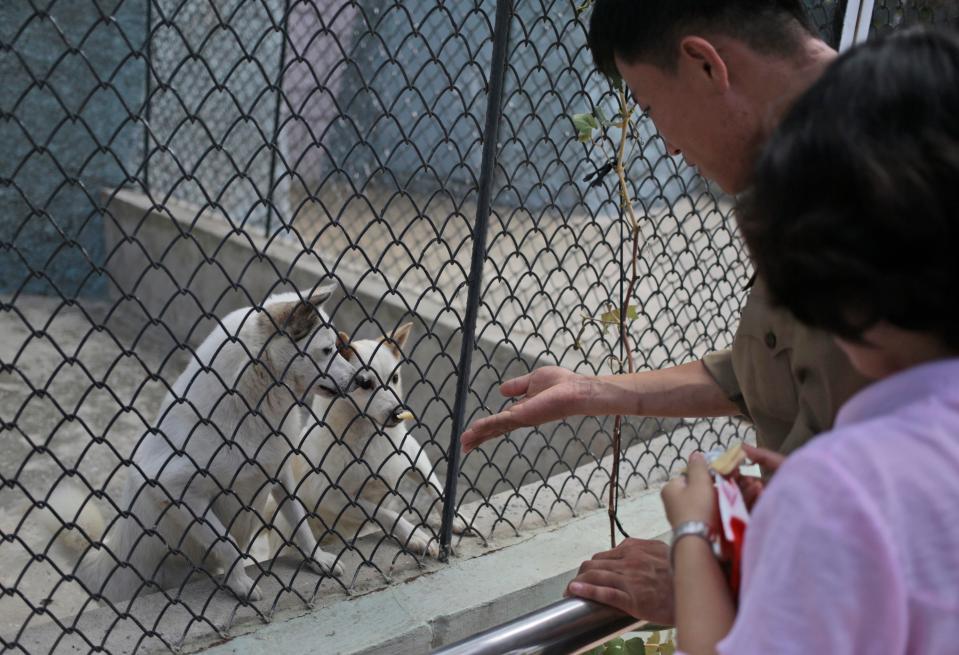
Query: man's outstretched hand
[[634, 577], [548, 394]]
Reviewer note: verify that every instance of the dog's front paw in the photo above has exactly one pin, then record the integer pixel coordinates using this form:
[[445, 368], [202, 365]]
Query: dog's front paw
[[325, 564], [459, 526], [422, 543], [243, 586], [435, 521]]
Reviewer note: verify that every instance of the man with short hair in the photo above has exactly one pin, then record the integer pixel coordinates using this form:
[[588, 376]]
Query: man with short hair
[[714, 77]]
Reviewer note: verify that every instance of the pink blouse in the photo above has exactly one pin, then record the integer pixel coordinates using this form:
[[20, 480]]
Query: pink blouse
[[854, 546]]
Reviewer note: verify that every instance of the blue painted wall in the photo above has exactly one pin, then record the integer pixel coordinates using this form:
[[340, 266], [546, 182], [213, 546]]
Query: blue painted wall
[[71, 94]]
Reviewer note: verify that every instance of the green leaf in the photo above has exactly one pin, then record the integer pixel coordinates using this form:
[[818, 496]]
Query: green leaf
[[610, 317], [635, 646], [584, 122], [631, 312], [653, 639], [601, 116], [584, 6], [616, 647]]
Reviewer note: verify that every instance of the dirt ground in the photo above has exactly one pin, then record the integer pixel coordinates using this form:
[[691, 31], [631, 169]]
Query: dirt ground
[[72, 398]]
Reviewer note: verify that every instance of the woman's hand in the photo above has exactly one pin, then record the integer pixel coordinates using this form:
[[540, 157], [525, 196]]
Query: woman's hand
[[691, 497], [769, 461]]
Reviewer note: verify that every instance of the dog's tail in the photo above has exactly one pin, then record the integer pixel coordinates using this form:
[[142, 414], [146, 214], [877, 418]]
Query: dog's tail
[[78, 533]]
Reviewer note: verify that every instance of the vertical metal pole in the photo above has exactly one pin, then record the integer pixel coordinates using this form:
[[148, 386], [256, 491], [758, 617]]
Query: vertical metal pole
[[855, 24], [275, 146], [494, 112], [147, 100]]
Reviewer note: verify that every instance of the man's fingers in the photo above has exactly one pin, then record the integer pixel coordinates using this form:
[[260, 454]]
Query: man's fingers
[[769, 460], [487, 428], [599, 588], [615, 553], [550, 405], [601, 565], [515, 386]]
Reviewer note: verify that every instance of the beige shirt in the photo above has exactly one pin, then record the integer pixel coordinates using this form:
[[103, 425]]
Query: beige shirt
[[788, 379]]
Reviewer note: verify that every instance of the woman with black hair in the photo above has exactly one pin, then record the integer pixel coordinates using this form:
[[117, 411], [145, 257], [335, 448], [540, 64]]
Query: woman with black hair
[[853, 222]]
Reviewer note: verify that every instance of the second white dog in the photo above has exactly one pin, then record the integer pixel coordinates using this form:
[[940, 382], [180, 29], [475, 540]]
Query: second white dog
[[358, 453]]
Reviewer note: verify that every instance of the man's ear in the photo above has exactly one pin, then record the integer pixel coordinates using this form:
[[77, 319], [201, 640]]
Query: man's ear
[[698, 57]]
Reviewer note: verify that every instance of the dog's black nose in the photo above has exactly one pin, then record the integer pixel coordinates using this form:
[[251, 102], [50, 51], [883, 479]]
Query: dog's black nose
[[364, 380]]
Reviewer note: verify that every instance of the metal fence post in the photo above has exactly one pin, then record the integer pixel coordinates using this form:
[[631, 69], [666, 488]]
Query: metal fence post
[[494, 105], [856, 23], [275, 146], [147, 101]]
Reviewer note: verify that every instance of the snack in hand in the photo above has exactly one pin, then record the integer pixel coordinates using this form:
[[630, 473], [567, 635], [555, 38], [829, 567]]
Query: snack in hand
[[733, 513]]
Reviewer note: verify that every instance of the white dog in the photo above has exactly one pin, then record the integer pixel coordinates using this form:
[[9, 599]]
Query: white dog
[[200, 480], [358, 451]]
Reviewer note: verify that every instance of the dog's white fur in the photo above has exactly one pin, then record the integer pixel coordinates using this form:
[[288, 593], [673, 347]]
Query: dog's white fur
[[200, 482], [357, 453]]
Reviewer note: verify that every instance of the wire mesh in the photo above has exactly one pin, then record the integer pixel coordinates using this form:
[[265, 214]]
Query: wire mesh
[[170, 161], [888, 15]]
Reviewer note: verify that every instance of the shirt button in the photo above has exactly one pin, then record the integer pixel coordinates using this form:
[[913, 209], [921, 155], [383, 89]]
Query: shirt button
[[771, 340]]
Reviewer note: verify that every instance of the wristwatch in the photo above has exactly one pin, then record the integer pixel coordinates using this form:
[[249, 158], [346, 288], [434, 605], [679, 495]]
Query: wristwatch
[[699, 529]]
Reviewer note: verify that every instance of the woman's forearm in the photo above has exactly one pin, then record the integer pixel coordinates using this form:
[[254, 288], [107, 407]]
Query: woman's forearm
[[704, 605]]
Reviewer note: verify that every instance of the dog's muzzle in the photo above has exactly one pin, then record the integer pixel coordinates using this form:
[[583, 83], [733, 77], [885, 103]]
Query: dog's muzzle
[[330, 389], [399, 415]]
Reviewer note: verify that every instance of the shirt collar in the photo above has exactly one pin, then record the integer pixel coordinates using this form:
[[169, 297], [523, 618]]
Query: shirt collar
[[889, 394]]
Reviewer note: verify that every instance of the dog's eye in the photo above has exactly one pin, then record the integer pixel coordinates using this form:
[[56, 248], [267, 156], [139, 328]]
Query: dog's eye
[[396, 378]]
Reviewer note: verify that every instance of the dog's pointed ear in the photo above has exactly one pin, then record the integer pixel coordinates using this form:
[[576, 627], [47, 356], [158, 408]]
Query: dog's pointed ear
[[298, 318], [397, 340], [343, 345], [401, 334], [322, 294]]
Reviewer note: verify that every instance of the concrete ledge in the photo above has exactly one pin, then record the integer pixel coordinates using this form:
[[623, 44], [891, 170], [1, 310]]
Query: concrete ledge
[[455, 602]]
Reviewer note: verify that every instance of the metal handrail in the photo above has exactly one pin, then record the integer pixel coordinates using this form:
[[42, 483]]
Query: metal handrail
[[571, 625]]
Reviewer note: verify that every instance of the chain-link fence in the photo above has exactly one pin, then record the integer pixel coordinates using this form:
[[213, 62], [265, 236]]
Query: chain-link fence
[[891, 15], [169, 161]]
